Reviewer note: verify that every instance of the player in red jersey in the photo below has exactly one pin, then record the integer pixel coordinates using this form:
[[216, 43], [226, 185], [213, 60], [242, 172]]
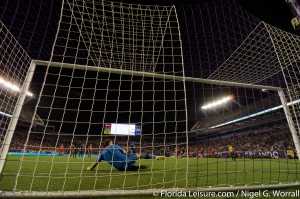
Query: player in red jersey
[[90, 150], [212, 153], [177, 151], [201, 152], [61, 150]]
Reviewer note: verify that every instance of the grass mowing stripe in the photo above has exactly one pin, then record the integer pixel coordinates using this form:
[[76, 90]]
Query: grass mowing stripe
[[203, 172]]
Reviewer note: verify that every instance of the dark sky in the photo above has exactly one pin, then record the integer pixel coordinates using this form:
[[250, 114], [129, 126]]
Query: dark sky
[[274, 12], [34, 22]]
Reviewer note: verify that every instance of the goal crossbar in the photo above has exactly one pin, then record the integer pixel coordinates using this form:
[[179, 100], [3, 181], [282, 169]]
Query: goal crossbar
[[152, 75]]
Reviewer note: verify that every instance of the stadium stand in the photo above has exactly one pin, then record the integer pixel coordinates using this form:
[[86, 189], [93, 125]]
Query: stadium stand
[[204, 125]]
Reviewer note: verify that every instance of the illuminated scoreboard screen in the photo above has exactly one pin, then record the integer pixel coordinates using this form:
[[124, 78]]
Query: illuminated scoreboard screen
[[121, 129]]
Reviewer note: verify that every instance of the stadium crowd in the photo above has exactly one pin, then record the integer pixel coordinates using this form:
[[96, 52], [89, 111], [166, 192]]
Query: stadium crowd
[[264, 141], [254, 141]]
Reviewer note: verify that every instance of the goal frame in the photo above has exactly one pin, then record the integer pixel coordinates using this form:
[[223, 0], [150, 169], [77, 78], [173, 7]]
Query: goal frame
[[149, 192], [15, 116], [153, 75]]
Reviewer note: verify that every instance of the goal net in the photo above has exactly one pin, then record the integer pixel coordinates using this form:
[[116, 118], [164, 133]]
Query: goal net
[[14, 72], [211, 89]]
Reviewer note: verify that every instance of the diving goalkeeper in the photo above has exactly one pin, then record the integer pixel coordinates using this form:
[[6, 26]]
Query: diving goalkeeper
[[118, 158]]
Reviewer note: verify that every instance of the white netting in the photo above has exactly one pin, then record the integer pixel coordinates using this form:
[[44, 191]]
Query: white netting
[[14, 65], [121, 36], [78, 98], [266, 53], [252, 62]]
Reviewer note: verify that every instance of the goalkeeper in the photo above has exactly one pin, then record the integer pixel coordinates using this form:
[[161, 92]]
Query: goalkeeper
[[118, 158]]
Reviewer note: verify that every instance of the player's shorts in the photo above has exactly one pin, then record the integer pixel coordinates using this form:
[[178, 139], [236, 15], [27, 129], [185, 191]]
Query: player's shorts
[[131, 158], [232, 152], [127, 163]]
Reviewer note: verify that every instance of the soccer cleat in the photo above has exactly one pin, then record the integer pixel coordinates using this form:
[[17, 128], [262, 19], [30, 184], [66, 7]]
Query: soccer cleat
[[144, 166], [160, 157]]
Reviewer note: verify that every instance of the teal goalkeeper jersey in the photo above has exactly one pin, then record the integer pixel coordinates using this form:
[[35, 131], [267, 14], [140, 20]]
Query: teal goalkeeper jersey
[[114, 155]]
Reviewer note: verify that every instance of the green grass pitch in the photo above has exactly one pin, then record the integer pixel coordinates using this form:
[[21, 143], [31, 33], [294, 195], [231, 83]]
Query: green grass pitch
[[68, 174]]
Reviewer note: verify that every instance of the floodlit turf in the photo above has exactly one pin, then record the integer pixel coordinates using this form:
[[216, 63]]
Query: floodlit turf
[[68, 174]]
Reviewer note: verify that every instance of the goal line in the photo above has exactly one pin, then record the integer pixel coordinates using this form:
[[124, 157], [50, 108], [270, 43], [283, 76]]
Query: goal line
[[153, 192]]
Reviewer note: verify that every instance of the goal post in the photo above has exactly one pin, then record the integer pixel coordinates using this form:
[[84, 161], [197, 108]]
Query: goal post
[[290, 122], [189, 79], [15, 76], [15, 117]]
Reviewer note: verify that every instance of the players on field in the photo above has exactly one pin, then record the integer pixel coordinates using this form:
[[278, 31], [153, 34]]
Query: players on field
[[183, 152], [177, 151], [212, 152], [118, 157], [201, 152], [231, 151], [61, 150], [74, 151], [132, 148], [167, 152], [70, 150], [81, 150], [188, 152], [90, 150]]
